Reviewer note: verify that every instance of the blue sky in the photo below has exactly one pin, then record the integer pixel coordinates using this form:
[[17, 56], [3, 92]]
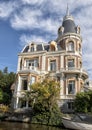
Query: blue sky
[[24, 21]]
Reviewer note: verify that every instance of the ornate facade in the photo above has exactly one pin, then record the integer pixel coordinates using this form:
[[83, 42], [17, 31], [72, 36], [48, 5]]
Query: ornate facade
[[62, 58]]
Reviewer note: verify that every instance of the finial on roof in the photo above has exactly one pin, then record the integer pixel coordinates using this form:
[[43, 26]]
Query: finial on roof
[[67, 11]]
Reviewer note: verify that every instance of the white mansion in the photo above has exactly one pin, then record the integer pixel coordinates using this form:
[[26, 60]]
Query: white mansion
[[62, 58]]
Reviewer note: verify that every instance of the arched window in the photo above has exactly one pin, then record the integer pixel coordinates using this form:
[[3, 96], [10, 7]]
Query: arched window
[[32, 47], [70, 64], [70, 46]]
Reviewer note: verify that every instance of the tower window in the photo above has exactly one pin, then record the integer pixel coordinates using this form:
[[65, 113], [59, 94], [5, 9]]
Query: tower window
[[70, 63], [71, 87], [53, 65], [70, 46]]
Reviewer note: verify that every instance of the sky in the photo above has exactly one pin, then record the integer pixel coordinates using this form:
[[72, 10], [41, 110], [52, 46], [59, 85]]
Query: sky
[[24, 21]]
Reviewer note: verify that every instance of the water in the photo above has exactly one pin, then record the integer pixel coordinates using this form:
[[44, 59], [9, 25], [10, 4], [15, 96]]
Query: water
[[25, 126]]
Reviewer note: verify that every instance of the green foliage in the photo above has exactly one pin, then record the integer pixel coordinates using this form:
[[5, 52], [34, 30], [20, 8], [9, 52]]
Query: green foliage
[[83, 102], [43, 97], [1, 95], [6, 80], [3, 108]]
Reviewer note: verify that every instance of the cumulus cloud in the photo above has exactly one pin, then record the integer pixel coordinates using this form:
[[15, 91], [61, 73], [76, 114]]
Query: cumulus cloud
[[26, 19], [32, 2], [25, 39], [6, 8]]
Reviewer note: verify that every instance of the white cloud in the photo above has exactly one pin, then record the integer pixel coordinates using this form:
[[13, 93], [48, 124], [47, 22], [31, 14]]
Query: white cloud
[[31, 38], [32, 2], [33, 20], [26, 19], [6, 8]]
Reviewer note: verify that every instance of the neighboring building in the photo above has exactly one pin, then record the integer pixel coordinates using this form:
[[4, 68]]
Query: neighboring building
[[87, 85], [61, 58]]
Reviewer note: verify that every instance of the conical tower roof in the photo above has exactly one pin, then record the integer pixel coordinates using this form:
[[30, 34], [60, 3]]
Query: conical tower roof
[[68, 23]]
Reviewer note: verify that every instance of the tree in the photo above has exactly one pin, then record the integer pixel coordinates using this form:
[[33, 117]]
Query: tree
[[83, 102], [43, 97], [6, 80], [1, 95], [5, 70]]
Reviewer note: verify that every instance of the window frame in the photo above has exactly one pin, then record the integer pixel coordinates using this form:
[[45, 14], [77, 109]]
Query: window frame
[[32, 63], [71, 87], [53, 65], [70, 46], [70, 64]]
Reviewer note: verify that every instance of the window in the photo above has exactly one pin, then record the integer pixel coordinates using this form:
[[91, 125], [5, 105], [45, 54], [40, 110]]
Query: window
[[32, 63], [70, 105], [33, 79], [70, 63], [23, 104], [70, 46], [24, 84], [71, 87], [32, 48], [53, 65]]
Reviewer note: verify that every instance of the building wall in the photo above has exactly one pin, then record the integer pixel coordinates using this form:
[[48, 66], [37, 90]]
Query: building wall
[[62, 58]]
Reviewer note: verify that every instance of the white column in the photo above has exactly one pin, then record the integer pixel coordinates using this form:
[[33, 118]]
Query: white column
[[18, 66], [17, 102], [19, 84], [61, 87], [61, 61], [66, 88], [18, 92], [43, 62]]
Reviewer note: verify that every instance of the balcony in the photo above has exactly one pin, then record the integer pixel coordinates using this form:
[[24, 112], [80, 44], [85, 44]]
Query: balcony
[[29, 69], [67, 96], [73, 70]]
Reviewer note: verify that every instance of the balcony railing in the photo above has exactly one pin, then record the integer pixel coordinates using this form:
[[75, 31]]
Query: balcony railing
[[27, 69], [73, 69], [72, 96]]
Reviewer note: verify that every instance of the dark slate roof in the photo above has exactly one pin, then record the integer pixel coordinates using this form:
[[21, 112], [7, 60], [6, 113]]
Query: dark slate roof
[[39, 47], [69, 26], [59, 47], [46, 47], [26, 49]]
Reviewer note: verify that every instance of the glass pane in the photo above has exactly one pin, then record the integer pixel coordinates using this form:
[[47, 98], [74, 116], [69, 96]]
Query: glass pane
[[70, 63], [32, 80], [71, 46], [71, 87], [53, 65]]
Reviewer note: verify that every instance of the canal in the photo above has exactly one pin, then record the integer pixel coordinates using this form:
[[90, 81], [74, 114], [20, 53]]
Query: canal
[[25, 126]]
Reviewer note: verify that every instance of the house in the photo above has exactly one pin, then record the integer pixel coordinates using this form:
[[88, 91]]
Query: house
[[62, 58]]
